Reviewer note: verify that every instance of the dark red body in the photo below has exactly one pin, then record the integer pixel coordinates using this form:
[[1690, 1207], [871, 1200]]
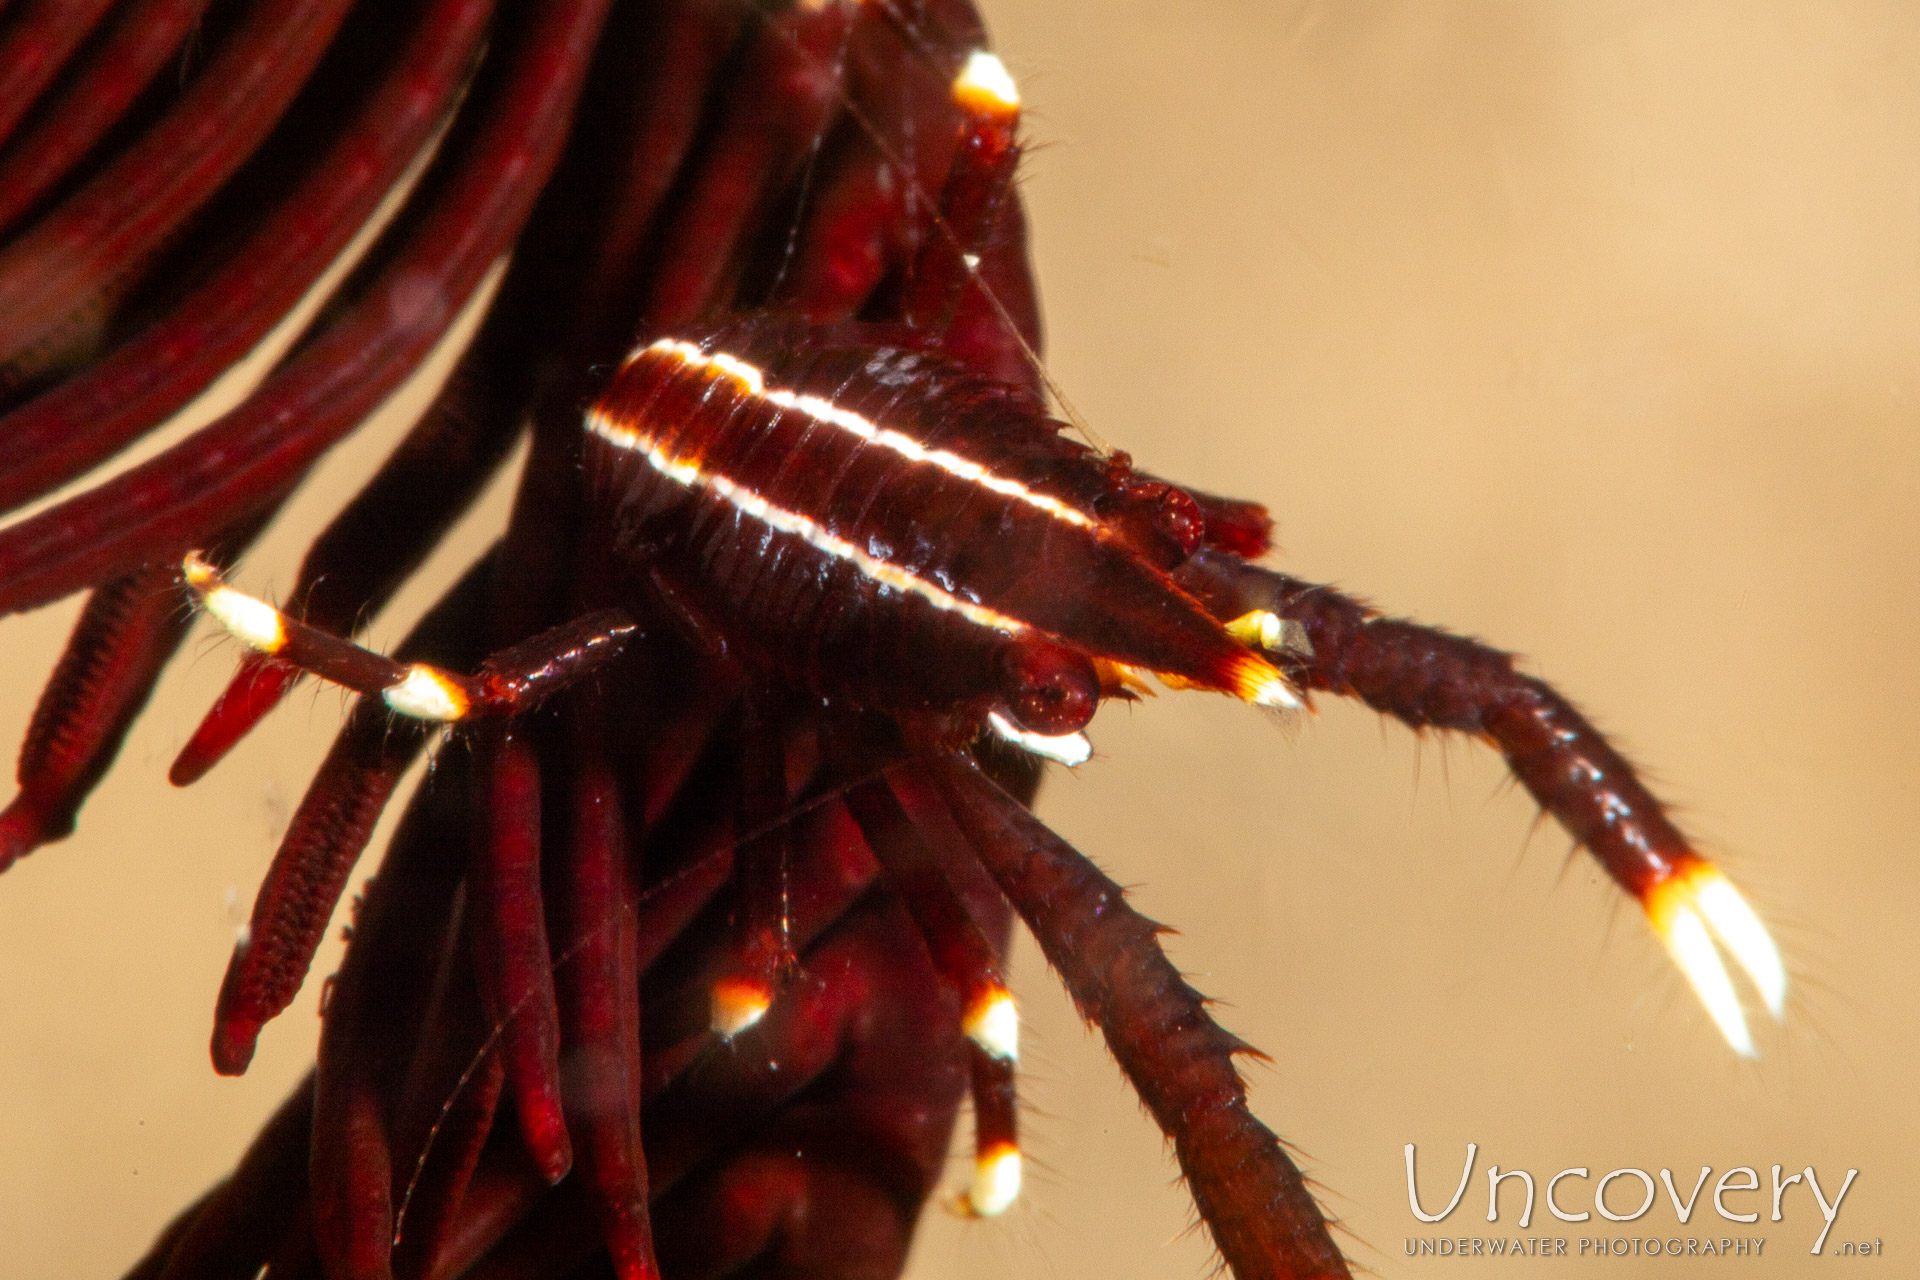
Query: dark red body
[[516, 1076], [879, 523]]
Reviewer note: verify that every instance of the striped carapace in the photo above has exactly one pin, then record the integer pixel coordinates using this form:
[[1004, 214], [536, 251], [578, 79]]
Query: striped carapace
[[806, 599], [874, 523]]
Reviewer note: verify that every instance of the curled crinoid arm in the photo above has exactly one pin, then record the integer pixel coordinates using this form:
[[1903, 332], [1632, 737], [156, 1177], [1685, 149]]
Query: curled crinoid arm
[[80, 422], [367, 1036], [446, 1109], [33, 49], [170, 503], [129, 629], [511, 952], [380, 537], [599, 993], [121, 217], [144, 37], [1426, 677], [797, 58]]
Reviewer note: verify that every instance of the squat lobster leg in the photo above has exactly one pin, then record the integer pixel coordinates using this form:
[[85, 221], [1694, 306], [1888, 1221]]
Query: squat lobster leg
[[765, 935], [512, 682], [1426, 677], [1179, 1059], [969, 965]]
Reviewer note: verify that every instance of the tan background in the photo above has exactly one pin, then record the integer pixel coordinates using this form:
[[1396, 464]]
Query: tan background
[[1590, 328]]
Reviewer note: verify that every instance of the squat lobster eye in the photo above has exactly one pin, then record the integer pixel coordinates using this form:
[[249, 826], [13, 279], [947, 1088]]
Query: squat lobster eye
[[1052, 689]]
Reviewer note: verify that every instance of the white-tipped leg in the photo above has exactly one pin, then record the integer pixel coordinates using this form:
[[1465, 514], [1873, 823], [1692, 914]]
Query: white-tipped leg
[[252, 622], [993, 1023], [985, 86], [738, 1003], [1691, 949], [1261, 683], [1689, 910], [996, 1181], [416, 690], [1069, 749], [1743, 935], [427, 693]]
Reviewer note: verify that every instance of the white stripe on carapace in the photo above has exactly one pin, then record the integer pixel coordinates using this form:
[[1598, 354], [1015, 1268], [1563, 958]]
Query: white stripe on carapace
[[748, 502], [754, 383]]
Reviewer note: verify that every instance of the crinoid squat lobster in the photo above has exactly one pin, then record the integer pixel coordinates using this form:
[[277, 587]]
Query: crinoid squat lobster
[[683, 959]]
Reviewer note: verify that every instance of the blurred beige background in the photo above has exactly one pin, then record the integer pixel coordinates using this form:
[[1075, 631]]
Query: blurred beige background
[[1589, 328]]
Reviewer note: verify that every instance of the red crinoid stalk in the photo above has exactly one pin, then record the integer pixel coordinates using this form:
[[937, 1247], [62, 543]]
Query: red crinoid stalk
[[686, 955]]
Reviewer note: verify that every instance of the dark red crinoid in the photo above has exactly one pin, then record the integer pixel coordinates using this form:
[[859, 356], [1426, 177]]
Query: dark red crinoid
[[686, 955]]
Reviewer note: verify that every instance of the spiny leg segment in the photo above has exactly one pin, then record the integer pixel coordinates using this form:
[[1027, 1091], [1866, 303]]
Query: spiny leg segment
[[510, 683], [1428, 678], [1181, 1062]]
